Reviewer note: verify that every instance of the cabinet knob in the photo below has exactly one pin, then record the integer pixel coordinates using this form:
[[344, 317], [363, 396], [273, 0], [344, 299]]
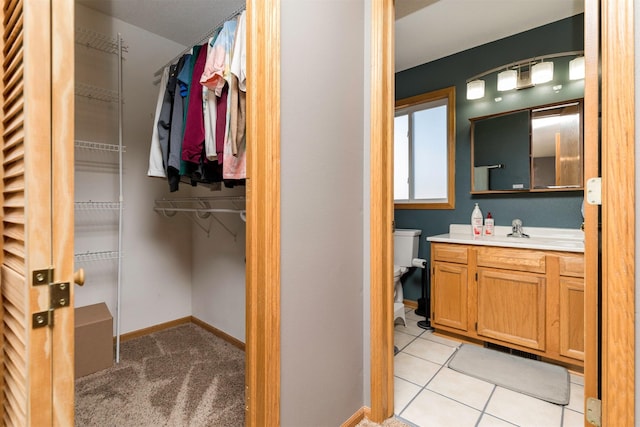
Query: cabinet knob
[[78, 277]]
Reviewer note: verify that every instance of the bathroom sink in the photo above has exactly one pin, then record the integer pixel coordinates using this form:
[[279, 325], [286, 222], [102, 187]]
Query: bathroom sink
[[555, 239]]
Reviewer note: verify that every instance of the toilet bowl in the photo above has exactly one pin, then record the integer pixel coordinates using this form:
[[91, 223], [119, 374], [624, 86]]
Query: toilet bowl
[[398, 293], [405, 249], [398, 272]]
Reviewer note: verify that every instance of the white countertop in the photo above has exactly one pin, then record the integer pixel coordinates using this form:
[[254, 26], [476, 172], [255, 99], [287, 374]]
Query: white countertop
[[550, 239]]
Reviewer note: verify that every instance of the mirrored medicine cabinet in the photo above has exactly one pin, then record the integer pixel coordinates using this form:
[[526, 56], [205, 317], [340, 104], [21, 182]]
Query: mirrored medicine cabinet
[[530, 150]]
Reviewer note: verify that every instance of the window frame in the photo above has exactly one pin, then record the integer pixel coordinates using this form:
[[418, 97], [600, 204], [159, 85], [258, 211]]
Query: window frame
[[448, 93]]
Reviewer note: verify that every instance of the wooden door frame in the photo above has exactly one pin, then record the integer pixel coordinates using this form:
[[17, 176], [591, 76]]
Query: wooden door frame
[[263, 215], [381, 208], [591, 215], [618, 215]]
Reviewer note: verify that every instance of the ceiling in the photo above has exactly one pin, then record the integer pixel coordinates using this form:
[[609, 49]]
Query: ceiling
[[425, 29]]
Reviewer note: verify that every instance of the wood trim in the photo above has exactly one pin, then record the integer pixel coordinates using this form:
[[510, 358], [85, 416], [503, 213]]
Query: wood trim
[[217, 332], [182, 321], [591, 216], [381, 208], [62, 112], [410, 303], [618, 213], [450, 94], [37, 206], [354, 419], [3, 329], [431, 206], [155, 328], [263, 214]]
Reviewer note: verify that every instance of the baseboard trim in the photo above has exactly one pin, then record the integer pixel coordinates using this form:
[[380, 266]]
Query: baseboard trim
[[362, 413], [410, 303], [217, 332], [177, 322], [155, 328]]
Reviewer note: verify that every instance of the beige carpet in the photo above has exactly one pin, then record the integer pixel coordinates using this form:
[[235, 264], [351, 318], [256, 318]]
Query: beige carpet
[[391, 422], [183, 376]]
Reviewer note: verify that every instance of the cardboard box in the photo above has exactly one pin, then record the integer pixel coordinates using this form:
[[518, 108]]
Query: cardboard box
[[93, 339]]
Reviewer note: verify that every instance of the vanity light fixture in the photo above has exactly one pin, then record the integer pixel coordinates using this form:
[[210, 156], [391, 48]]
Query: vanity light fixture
[[507, 80], [576, 68], [475, 89], [525, 73], [542, 72]]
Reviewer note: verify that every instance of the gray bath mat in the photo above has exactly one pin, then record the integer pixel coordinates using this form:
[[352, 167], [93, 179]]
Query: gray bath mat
[[531, 377]]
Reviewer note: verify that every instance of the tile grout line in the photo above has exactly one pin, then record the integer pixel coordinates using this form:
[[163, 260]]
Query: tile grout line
[[483, 411], [429, 381]]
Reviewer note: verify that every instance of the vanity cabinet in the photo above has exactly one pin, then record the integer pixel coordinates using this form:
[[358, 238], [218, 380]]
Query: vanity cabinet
[[529, 300], [572, 306], [511, 307], [450, 296], [450, 308]]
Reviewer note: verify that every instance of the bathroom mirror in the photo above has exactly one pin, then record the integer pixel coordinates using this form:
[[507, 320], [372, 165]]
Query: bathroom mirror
[[534, 149]]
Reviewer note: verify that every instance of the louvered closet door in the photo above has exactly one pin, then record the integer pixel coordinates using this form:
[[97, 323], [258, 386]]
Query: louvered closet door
[[37, 202]]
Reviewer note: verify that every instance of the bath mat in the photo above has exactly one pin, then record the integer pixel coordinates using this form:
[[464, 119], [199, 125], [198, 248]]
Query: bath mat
[[531, 377]]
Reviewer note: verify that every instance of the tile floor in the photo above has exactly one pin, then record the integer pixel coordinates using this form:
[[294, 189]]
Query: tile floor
[[429, 394]]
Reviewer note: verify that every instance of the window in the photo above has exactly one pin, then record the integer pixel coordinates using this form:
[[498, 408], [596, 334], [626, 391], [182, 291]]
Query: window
[[424, 151]]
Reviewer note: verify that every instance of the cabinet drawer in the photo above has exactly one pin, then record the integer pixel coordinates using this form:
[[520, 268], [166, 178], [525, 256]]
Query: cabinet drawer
[[512, 259], [449, 252], [572, 265]]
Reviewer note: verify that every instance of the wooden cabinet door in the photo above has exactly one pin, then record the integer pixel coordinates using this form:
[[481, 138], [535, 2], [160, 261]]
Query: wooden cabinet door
[[572, 317], [37, 203], [511, 307], [449, 295]]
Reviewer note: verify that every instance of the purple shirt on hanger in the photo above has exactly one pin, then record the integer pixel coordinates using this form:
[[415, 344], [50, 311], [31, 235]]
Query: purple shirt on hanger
[[193, 140]]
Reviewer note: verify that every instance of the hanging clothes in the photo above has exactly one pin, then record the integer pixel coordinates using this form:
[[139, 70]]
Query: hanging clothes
[[218, 64], [235, 145], [156, 158], [176, 125], [209, 104], [193, 139], [201, 113]]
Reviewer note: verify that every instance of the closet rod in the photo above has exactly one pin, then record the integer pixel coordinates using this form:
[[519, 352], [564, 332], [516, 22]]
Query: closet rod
[[201, 40], [203, 199]]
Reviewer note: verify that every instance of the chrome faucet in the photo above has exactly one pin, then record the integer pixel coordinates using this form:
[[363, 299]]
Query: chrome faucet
[[516, 229]]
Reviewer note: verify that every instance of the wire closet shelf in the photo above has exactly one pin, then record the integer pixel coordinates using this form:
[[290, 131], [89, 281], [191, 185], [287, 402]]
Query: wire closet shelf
[[201, 210]]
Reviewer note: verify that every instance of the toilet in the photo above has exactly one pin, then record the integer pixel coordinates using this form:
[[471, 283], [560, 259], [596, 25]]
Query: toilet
[[405, 249]]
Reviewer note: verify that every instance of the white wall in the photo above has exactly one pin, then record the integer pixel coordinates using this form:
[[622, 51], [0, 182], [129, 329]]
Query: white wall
[[156, 277], [322, 249], [218, 265]]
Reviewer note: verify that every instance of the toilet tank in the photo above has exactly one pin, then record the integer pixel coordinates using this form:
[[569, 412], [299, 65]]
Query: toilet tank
[[405, 246]]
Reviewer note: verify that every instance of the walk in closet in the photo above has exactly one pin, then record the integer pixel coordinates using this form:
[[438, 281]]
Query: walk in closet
[[152, 255]]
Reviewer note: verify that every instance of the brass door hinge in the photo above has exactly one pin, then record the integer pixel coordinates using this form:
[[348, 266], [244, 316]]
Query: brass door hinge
[[594, 411], [59, 296]]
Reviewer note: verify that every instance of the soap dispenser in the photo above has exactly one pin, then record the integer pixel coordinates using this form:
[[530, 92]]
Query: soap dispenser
[[488, 225], [476, 221]]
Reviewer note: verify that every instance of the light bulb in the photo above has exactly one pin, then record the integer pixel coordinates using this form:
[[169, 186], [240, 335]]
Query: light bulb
[[507, 80], [475, 89], [542, 72]]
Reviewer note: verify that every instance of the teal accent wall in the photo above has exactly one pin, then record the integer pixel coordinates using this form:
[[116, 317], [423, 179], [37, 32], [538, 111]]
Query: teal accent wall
[[560, 209]]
